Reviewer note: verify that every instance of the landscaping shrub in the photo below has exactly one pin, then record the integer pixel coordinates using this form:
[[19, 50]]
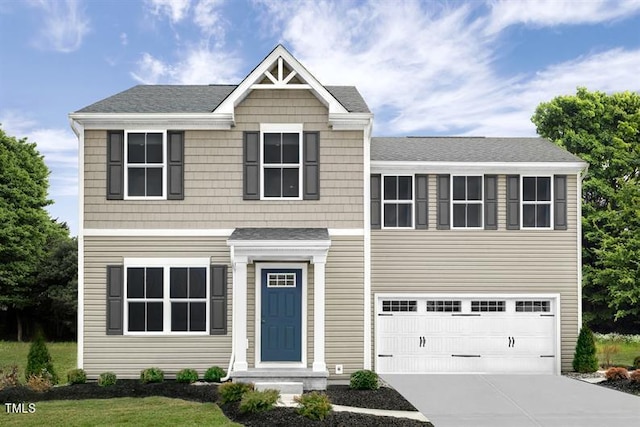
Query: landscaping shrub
[[187, 376], [635, 376], [314, 405], [214, 373], [106, 379], [40, 382], [258, 401], [39, 359], [584, 358], [233, 392], [608, 351], [9, 376], [151, 375], [636, 362], [76, 376], [616, 374], [364, 380]]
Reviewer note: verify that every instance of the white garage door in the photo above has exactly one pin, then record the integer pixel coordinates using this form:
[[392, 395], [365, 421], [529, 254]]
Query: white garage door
[[486, 334]]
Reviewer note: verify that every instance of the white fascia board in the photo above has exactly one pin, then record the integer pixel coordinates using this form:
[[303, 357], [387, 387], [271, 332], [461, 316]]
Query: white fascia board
[[136, 121], [350, 121], [394, 167], [239, 93], [301, 244], [157, 232]]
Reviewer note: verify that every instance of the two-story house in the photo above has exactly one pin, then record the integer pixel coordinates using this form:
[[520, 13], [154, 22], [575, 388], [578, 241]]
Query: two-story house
[[261, 227]]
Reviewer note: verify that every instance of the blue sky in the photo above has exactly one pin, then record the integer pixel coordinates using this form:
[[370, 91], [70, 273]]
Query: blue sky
[[424, 68]]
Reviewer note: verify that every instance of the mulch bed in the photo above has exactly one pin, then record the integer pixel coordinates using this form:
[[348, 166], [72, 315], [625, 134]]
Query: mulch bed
[[626, 386], [384, 398]]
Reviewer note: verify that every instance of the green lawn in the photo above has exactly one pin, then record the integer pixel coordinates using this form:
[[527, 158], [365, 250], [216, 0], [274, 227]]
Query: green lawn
[[628, 348], [150, 411], [63, 354]]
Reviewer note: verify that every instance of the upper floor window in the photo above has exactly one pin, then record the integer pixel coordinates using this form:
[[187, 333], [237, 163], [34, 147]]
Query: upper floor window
[[467, 202], [145, 165], [536, 202], [398, 201], [281, 149]]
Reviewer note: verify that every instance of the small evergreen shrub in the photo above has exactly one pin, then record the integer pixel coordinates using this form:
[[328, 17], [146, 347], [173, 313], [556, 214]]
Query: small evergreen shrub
[[187, 376], [233, 392], [39, 359], [151, 375], [636, 362], [584, 358], [9, 376], [40, 382], [107, 379], [614, 374], [364, 380], [214, 373], [76, 376], [258, 401], [314, 405]]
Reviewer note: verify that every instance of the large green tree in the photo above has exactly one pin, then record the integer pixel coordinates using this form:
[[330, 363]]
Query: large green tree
[[604, 130], [24, 222]]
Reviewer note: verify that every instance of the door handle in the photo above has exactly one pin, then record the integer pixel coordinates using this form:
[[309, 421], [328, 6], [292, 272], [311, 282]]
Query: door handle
[[263, 321]]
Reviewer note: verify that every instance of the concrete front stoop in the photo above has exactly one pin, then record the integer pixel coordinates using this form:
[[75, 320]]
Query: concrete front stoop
[[294, 388], [310, 379]]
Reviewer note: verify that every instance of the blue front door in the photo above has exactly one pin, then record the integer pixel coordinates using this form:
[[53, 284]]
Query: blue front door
[[281, 331]]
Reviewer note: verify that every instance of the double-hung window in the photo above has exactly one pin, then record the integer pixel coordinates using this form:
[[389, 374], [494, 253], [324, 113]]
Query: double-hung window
[[167, 296], [398, 201], [145, 165], [467, 201], [536, 202], [281, 148]]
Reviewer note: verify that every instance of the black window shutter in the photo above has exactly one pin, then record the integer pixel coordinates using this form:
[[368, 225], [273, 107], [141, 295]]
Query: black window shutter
[[444, 202], [490, 202], [376, 201], [218, 300], [513, 202], [251, 172], [560, 202], [175, 165], [422, 203], [115, 296], [115, 165], [311, 164]]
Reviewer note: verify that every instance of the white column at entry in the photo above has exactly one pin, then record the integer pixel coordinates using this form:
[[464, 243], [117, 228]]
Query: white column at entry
[[319, 364], [240, 313]]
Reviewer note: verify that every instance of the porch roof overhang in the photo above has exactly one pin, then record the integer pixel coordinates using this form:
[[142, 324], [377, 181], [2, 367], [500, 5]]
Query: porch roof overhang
[[280, 244]]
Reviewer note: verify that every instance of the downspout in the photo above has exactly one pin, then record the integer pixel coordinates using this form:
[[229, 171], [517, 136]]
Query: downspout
[[581, 176], [233, 323]]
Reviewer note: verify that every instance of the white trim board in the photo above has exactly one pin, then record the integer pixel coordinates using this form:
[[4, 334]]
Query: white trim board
[[190, 232], [475, 168]]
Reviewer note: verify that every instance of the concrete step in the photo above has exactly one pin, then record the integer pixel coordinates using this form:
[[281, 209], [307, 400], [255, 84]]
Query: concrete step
[[282, 386]]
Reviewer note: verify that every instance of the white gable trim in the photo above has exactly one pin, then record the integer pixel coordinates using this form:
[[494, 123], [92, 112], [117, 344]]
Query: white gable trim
[[278, 55]]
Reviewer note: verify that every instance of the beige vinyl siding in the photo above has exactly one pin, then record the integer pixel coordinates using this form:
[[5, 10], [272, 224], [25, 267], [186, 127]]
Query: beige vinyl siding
[[128, 355], [213, 175], [344, 310], [477, 261]]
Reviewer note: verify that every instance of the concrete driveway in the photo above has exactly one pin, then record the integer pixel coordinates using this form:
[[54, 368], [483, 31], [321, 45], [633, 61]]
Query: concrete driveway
[[515, 401]]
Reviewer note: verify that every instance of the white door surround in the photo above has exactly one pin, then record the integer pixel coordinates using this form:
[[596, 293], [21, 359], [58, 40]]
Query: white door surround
[[282, 252], [467, 333]]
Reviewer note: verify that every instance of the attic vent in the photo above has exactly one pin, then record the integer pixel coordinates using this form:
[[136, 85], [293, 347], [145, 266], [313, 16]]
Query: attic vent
[[281, 76]]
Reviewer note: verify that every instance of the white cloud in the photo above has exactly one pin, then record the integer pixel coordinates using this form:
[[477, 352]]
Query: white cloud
[[175, 10], [196, 65], [545, 13], [124, 39], [64, 27], [208, 18]]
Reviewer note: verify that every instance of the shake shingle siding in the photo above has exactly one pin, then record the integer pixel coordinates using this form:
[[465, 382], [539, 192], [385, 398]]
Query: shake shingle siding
[[213, 176]]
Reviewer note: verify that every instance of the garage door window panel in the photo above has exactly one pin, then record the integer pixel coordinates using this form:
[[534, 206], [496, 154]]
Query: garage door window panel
[[444, 306], [400, 306], [533, 306], [488, 306]]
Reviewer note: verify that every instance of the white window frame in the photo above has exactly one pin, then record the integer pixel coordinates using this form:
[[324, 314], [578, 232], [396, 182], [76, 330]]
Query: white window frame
[[550, 202], [281, 128], [167, 264], [396, 201], [467, 202], [145, 165]]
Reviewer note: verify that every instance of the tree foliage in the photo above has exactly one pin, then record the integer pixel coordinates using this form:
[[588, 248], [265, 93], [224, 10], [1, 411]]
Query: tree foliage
[[604, 130]]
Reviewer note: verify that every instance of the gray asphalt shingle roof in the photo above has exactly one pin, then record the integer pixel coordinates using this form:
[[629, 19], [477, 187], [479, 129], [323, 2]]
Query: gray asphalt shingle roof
[[468, 149], [195, 99], [280, 234]]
